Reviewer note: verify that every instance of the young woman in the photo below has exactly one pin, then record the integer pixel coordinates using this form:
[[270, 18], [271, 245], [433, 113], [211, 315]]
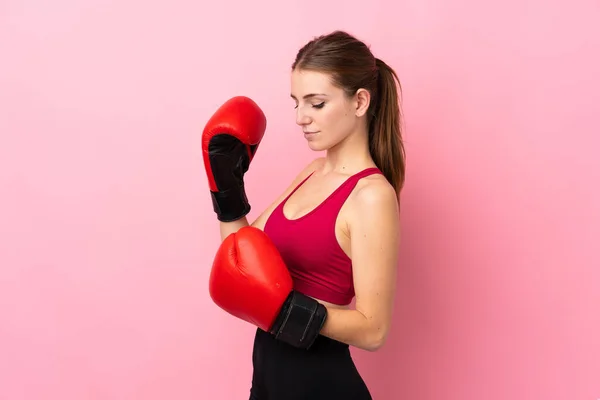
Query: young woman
[[337, 224]]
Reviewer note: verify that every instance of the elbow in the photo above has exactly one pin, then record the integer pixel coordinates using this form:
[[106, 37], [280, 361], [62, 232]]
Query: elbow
[[375, 345], [377, 339]]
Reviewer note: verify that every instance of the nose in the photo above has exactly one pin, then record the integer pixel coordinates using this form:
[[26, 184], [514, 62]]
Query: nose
[[301, 117]]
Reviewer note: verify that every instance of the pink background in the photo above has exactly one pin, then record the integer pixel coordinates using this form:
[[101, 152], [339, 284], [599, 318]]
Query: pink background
[[107, 232]]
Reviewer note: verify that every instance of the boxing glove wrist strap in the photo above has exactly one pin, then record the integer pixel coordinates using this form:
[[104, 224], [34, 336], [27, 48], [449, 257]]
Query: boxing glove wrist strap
[[230, 205], [299, 321]]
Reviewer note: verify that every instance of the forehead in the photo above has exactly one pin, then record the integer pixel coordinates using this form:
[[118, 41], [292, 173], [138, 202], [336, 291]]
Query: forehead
[[306, 82]]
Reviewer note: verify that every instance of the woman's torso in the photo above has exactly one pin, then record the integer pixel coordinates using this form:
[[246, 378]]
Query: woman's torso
[[314, 192]]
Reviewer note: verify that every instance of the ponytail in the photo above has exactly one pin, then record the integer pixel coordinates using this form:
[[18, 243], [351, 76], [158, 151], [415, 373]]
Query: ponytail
[[385, 131]]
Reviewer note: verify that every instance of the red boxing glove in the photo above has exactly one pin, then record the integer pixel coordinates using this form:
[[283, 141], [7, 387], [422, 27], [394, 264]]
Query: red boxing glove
[[250, 281], [229, 142]]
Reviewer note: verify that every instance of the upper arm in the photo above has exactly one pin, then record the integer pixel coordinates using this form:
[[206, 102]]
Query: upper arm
[[261, 220], [374, 241]]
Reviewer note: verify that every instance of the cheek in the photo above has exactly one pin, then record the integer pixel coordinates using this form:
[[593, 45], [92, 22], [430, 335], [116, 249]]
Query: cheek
[[335, 119], [342, 123]]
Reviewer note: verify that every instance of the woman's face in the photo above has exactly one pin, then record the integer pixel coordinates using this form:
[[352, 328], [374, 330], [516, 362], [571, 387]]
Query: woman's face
[[325, 114]]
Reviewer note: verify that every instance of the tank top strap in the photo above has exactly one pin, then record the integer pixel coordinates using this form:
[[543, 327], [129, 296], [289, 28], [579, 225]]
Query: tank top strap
[[337, 199], [296, 188], [339, 196], [365, 172], [350, 183]]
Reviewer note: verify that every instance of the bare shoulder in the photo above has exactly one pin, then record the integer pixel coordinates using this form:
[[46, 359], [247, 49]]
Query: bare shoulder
[[375, 191], [375, 201]]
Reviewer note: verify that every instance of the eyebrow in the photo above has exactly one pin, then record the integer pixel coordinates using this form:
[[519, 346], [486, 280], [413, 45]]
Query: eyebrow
[[310, 95]]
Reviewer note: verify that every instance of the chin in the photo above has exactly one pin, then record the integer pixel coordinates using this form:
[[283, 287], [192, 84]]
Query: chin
[[315, 146], [318, 144]]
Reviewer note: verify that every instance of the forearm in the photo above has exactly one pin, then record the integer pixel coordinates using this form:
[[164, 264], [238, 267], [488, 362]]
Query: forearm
[[227, 228], [354, 328]]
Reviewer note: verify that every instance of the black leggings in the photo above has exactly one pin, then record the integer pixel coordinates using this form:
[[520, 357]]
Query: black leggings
[[325, 371]]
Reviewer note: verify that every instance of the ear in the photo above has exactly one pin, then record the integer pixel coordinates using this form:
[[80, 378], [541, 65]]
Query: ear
[[363, 99]]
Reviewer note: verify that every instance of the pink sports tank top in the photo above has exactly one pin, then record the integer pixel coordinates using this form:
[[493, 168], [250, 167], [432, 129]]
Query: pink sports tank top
[[318, 265]]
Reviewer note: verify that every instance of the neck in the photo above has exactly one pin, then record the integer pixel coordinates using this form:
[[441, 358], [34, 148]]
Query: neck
[[350, 155]]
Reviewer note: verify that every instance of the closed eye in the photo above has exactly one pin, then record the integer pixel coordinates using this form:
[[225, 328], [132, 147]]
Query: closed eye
[[320, 105]]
